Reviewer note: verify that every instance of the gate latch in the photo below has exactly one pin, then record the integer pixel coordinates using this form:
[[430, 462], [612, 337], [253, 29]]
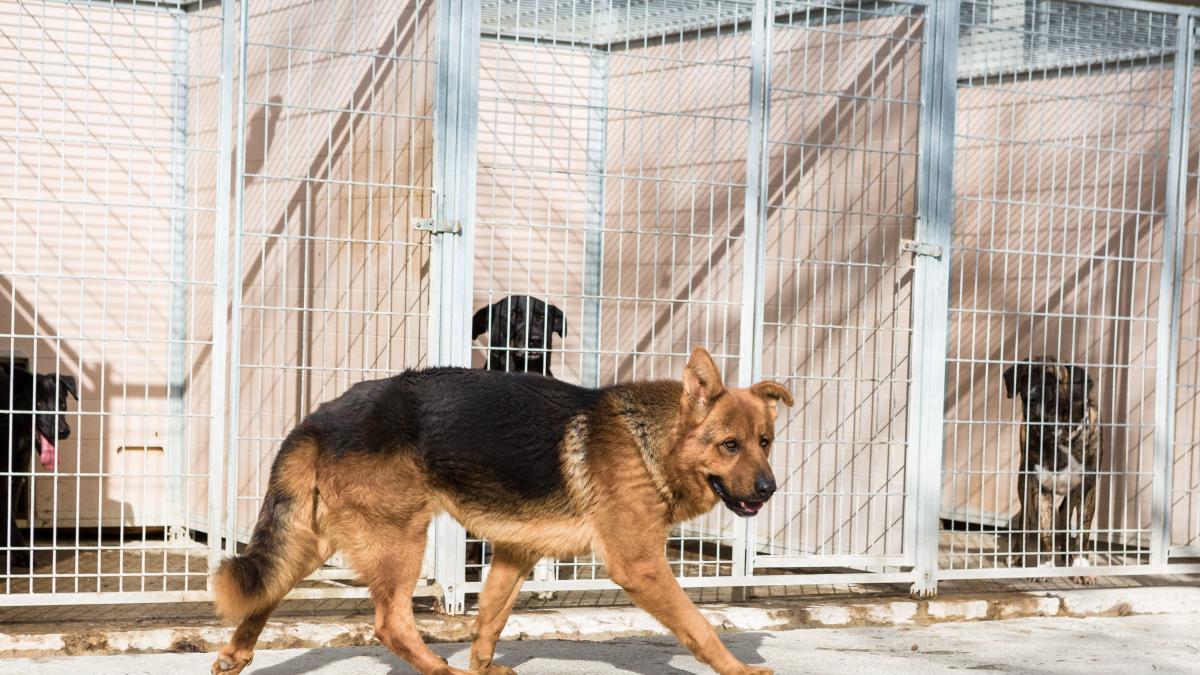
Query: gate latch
[[439, 226], [916, 248]]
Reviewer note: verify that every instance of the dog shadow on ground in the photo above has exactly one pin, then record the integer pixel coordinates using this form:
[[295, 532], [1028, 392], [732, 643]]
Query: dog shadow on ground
[[645, 656]]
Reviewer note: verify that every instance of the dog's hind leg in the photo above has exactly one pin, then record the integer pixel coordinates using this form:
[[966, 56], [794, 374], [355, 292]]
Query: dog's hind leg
[[509, 569], [284, 548], [239, 652]]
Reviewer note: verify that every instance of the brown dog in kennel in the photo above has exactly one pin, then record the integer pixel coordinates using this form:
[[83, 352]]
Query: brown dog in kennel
[[1060, 458]]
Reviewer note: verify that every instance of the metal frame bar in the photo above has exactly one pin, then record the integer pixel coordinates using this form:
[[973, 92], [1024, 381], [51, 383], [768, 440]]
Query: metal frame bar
[[217, 457], [931, 281], [456, 119], [1171, 282], [235, 313], [593, 270], [754, 245], [178, 369]]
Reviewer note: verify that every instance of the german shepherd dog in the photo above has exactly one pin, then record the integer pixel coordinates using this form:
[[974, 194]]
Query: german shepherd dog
[[538, 466], [520, 332], [1060, 457], [31, 417]]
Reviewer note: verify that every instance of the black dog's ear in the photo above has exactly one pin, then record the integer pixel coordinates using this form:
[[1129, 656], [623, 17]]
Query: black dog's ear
[[479, 323], [558, 323], [67, 382], [1010, 378], [1079, 376]]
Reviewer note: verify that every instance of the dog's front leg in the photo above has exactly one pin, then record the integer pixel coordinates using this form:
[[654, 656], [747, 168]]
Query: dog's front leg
[[644, 574]]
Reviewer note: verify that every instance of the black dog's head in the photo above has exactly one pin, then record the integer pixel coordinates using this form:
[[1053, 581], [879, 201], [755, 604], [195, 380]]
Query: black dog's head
[[519, 330], [1051, 392], [45, 396]]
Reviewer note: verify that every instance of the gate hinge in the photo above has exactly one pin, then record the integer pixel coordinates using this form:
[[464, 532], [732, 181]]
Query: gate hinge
[[439, 226], [917, 248]]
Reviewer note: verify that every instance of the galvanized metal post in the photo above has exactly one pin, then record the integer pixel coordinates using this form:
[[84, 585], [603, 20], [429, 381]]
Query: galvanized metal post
[[1167, 346], [593, 245], [178, 327], [753, 239], [456, 117], [931, 281], [220, 326], [235, 311]]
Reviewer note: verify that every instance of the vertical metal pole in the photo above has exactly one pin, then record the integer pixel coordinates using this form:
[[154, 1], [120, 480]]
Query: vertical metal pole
[[593, 245], [1167, 346], [178, 328], [753, 240], [235, 312], [220, 327], [456, 118], [931, 296]]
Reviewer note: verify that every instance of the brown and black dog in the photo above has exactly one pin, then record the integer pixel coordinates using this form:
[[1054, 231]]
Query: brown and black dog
[[538, 466], [1060, 460]]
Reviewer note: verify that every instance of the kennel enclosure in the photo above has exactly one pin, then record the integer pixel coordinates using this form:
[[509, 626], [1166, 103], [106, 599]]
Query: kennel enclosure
[[224, 213]]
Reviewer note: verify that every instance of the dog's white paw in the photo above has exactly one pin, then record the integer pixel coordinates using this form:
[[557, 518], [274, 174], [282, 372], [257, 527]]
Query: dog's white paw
[[1044, 565], [1081, 562]]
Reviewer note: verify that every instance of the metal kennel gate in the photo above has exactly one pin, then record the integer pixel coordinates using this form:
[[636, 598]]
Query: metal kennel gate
[[880, 204]]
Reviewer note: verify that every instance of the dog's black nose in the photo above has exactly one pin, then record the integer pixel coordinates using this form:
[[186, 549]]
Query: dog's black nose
[[764, 487]]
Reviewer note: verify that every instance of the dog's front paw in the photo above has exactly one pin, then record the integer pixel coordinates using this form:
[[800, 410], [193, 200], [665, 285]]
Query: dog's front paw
[[754, 670], [495, 669], [230, 665], [1081, 563]]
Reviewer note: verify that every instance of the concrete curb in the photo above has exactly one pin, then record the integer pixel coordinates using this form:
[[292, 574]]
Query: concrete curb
[[606, 623]]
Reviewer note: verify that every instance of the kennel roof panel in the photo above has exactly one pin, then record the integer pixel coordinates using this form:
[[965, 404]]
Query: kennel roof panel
[[613, 23]]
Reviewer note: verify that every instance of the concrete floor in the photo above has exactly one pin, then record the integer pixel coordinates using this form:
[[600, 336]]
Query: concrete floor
[[1135, 644]]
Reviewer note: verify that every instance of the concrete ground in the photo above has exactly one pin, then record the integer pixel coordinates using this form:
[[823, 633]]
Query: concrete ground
[[1133, 644]]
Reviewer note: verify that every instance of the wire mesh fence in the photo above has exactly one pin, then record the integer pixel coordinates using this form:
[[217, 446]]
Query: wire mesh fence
[[223, 214]]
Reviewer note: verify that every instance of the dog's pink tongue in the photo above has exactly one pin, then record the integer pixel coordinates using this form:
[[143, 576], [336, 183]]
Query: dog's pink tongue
[[47, 453]]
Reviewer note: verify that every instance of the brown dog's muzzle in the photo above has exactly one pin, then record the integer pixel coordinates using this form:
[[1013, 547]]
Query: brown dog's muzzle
[[745, 505]]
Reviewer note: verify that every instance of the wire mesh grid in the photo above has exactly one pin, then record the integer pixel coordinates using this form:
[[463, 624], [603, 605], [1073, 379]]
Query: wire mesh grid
[[106, 294], [841, 196], [333, 283], [1061, 177], [613, 182]]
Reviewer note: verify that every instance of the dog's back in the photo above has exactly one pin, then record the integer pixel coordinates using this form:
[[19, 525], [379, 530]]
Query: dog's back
[[462, 425]]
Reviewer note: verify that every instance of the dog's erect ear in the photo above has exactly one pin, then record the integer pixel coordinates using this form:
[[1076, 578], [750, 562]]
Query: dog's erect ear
[[479, 322], [1010, 378], [558, 323], [772, 392], [67, 382], [701, 381]]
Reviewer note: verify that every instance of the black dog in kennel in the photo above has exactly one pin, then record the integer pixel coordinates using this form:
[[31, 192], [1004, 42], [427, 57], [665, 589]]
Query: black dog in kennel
[[520, 332], [31, 418]]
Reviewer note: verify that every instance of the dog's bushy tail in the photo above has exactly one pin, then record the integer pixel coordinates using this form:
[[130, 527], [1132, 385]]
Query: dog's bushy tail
[[284, 546]]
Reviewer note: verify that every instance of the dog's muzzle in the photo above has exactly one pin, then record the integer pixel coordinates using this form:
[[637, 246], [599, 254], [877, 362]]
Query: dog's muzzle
[[742, 507]]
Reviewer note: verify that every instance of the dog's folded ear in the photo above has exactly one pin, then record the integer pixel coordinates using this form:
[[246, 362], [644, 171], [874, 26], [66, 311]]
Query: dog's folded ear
[[1011, 376], [67, 382], [772, 392], [1079, 376], [701, 382], [479, 322], [558, 322]]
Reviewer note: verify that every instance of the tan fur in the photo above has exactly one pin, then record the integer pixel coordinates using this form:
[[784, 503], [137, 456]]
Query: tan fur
[[635, 466]]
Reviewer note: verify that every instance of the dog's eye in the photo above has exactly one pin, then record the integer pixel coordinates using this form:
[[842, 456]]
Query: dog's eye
[[731, 445], [764, 441]]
